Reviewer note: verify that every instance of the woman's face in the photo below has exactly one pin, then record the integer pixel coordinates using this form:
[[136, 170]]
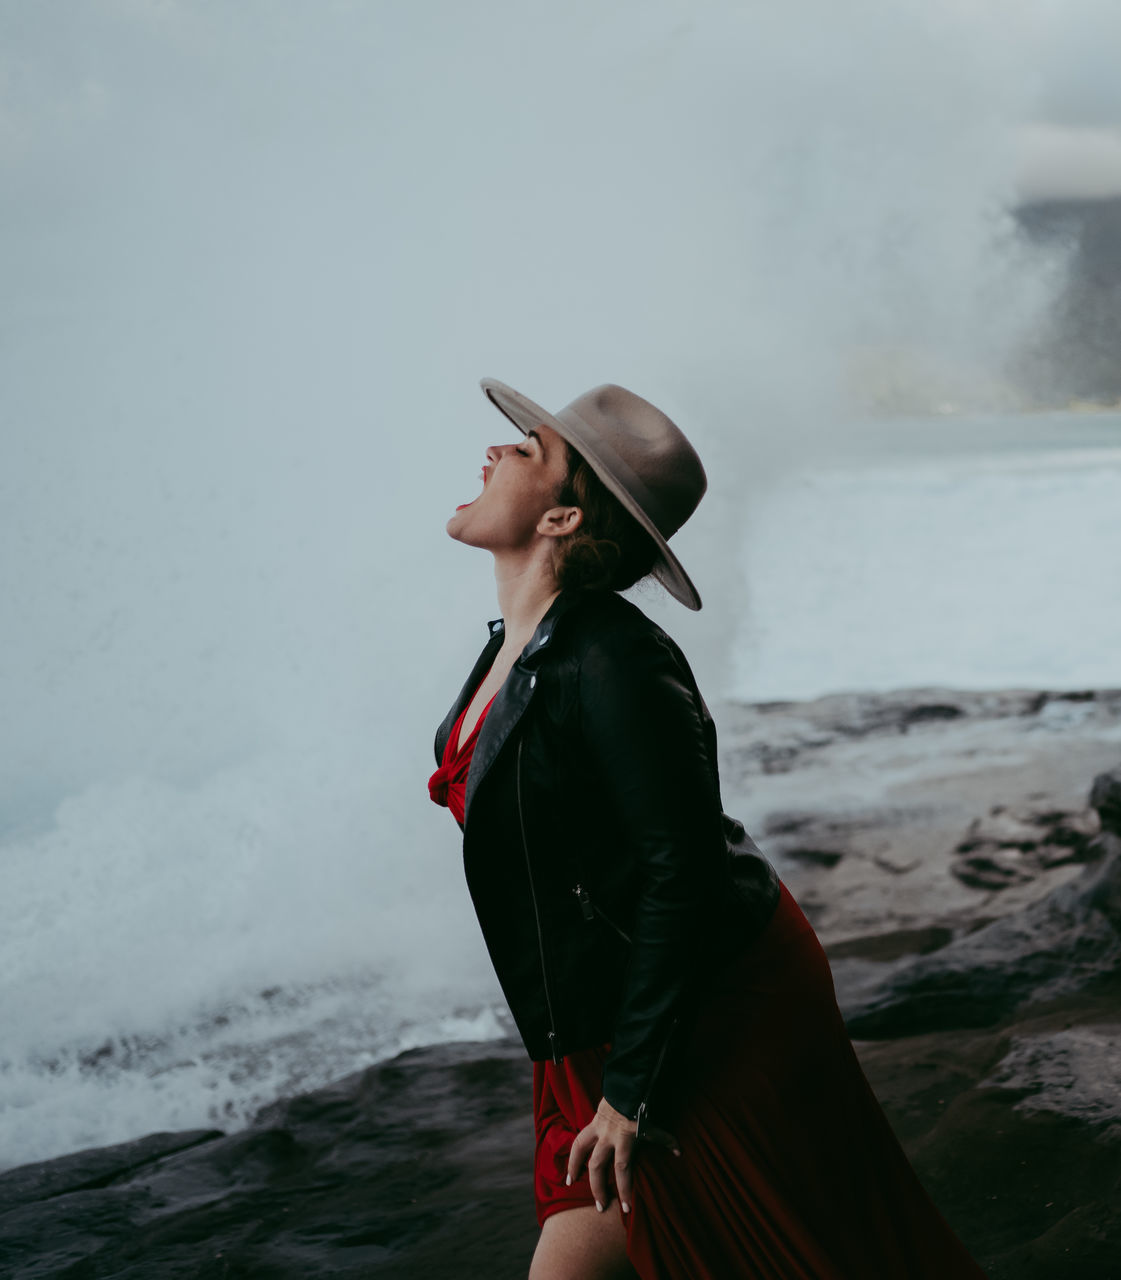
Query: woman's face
[[520, 484]]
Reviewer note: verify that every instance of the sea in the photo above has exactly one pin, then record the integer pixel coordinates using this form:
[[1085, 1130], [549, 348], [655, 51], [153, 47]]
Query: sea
[[182, 946]]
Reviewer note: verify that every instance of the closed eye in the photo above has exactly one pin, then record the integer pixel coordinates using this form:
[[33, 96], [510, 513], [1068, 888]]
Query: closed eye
[[530, 435]]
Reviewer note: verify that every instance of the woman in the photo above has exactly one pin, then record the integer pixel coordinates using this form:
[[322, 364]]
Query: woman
[[690, 1062]]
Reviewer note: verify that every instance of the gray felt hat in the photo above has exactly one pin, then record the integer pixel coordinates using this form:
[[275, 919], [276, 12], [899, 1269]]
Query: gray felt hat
[[638, 453]]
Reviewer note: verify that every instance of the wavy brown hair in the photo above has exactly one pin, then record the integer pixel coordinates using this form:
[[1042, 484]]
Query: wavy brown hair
[[610, 551]]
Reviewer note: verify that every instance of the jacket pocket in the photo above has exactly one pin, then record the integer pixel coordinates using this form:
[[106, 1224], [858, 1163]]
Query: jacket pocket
[[590, 910]]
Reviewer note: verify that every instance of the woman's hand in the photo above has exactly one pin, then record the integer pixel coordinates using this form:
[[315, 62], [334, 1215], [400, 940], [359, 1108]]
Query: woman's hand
[[608, 1141]]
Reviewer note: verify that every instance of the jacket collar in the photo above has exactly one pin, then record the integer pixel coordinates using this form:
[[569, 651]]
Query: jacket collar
[[542, 637]]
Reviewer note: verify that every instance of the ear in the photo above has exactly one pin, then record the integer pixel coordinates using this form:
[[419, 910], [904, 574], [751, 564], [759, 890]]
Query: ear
[[558, 522]]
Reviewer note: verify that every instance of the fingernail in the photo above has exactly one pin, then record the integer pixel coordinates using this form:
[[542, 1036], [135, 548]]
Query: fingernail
[[568, 1181], [599, 1206], [626, 1207]]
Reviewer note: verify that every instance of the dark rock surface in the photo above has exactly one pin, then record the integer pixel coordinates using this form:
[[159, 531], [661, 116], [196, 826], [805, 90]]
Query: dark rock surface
[[1008, 847], [988, 1022], [1064, 943], [420, 1167], [776, 737], [417, 1167], [920, 812], [1105, 797]]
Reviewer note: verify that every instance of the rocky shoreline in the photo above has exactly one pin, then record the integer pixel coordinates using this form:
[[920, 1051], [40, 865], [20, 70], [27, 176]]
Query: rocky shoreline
[[960, 856]]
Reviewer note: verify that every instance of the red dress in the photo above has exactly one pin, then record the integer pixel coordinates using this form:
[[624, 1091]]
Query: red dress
[[448, 785], [789, 1169]]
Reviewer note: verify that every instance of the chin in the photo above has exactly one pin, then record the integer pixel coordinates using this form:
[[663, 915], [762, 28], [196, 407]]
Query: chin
[[455, 525]]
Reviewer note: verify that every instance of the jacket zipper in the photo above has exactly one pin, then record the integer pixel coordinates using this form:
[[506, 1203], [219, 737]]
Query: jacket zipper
[[590, 910], [641, 1118], [552, 1033]]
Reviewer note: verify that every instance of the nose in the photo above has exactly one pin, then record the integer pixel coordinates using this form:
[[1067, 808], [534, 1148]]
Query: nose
[[495, 451]]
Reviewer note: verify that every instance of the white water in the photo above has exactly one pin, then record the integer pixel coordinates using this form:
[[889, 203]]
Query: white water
[[255, 257], [981, 570]]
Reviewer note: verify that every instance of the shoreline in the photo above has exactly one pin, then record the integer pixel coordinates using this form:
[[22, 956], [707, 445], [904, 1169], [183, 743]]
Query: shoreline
[[969, 899]]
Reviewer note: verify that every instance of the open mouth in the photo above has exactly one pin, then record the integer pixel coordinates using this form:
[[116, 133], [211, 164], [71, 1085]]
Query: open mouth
[[462, 505]]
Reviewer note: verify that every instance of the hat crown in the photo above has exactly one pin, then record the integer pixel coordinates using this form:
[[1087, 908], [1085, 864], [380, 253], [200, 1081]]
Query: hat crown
[[650, 446]]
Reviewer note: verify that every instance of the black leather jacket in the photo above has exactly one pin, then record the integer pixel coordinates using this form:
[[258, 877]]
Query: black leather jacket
[[605, 875]]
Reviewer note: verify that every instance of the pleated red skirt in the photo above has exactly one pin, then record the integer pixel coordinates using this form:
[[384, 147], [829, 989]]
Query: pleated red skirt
[[789, 1169]]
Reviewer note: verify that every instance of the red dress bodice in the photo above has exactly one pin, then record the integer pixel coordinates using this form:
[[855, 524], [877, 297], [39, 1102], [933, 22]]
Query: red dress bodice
[[448, 785]]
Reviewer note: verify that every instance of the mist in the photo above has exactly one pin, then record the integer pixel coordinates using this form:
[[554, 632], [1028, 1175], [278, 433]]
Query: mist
[[255, 259]]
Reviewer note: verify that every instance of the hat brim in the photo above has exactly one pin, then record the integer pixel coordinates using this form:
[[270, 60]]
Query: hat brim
[[526, 415]]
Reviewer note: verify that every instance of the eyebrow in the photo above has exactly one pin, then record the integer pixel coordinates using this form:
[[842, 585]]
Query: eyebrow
[[538, 439]]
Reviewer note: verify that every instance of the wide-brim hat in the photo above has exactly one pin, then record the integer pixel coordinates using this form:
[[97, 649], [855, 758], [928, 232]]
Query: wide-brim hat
[[641, 456]]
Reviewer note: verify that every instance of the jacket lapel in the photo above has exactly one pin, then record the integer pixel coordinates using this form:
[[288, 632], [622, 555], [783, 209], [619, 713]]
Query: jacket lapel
[[483, 664], [501, 720], [513, 698]]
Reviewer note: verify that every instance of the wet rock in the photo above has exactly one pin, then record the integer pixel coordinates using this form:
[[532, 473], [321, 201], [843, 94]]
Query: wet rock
[[1061, 944], [992, 869], [1053, 948], [815, 840], [896, 861], [93, 1169], [1073, 1072], [423, 1166], [1105, 797], [777, 737], [416, 1167], [1010, 847], [892, 945], [819, 857]]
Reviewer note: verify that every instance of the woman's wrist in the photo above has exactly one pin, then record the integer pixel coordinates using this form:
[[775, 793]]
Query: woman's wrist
[[613, 1115]]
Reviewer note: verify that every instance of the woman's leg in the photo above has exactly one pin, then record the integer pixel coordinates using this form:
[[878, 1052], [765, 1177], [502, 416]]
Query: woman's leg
[[582, 1244]]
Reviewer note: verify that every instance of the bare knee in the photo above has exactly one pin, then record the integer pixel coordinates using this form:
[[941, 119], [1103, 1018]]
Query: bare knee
[[582, 1244]]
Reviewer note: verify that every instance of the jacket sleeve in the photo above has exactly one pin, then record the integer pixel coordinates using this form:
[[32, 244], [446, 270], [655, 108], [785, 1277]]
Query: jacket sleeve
[[644, 733]]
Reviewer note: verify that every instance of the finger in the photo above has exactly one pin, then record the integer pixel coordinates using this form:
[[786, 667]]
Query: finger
[[623, 1184], [598, 1166], [581, 1144]]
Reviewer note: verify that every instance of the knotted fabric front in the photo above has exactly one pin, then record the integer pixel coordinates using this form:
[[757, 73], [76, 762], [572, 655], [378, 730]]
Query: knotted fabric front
[[448, 785]]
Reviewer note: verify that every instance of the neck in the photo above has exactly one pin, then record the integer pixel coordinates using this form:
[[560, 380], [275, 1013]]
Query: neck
[[525, 592]]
